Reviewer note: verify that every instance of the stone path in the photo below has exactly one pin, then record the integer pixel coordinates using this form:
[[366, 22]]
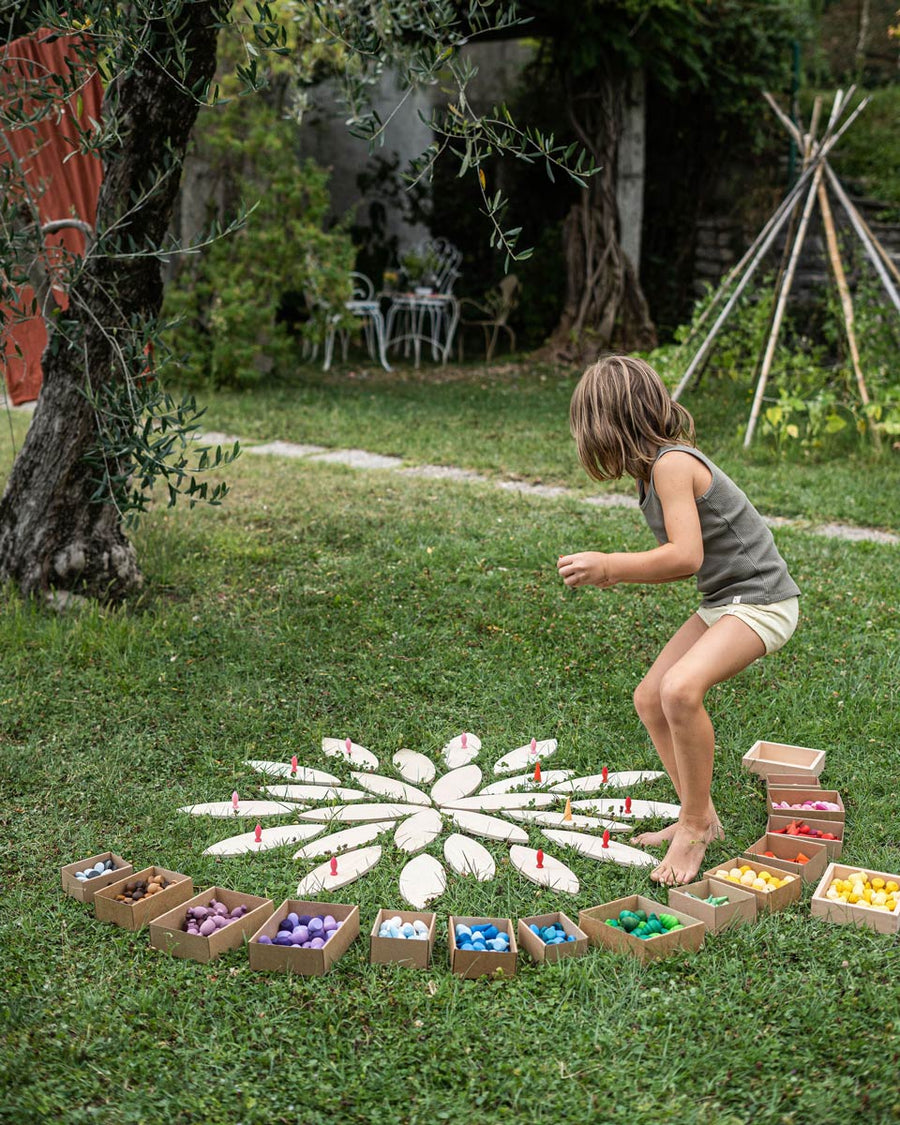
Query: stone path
[[361, 459]]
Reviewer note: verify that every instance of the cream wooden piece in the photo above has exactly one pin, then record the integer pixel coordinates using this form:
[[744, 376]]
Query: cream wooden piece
[[592, 846], [526, 756], [244, 808], [418, 830], [303, 775], [354, 814], [468, 857], [269, 838], [456, 755], [388, 787], [355, 755], [594, 783], [414, 767], [337, 842], [458, 783], [350, 866], [421, 880], [314, 793], [552, 873], [549, 779], [488, 827]]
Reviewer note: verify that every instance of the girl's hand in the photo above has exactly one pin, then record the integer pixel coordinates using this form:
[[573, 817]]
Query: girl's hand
[[588, 568]]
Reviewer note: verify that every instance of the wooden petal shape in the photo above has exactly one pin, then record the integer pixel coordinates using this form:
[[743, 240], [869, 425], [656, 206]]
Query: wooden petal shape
[[552, 873], [578, 821], [498, 802], [350, 866], [421, 880], [414, 767], [594, 782], [592, 846], [455, 784], [275, 837], [488, 827], [523, 757], [615, 806], [314, 792], [244, 808], [337, 842], [468, 857], [303, 774], [389, 787], [357, 756], [456, 755], [355, 814], [549, 778], [418, 830]]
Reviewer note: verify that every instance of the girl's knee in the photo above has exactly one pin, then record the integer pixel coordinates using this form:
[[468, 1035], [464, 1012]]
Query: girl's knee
[[679, 694], [647, 702]]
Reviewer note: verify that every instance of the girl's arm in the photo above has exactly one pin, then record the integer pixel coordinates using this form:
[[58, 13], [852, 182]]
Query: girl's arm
[[678, 478]]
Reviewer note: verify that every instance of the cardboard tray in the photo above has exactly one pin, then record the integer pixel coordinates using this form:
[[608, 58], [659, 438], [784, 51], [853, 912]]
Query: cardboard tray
[[166, 932], [741, 906], [785, 847], [780, 757], [833, 847], [593, 922], [85, 889], [133, 916], [539, 951], [769, 901], [853, 913], [293, 959], [471, 964], [810, 794], [402, 951]]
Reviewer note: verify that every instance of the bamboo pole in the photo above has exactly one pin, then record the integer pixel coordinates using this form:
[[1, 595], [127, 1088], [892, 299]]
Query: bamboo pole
[[843, 289], [868, 240], [781, 303], [879, 246]]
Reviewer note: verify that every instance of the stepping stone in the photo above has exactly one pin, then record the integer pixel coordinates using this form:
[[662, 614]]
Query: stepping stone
[[388, 787], [593, 847], [414, 767], [578, 821], [418, 830], [303, 774], [353, 814], [340, 841], [350, 866], [549, 778], [350, 753], [244, 808], [552, 872], [456, 755], [615, 806], [502, 801], [488, 827], [594, 783], [526, 756], [458, 783], [314, 792], [468, 857], [421, 880], [275, 837]]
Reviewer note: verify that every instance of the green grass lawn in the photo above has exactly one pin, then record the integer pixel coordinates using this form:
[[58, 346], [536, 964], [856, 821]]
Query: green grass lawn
[[326, 601]]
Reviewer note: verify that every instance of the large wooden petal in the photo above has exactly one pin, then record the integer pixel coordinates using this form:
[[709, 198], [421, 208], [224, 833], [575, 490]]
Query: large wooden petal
[[352, 754], [468, 857], [551, 873], [526, 756], [337, 842], [303, 774], [418, 830], [389, 787], [455, 784], [275, 837], [592, 846], [414, 767], [350, 866], [421, 880], [488, 827]]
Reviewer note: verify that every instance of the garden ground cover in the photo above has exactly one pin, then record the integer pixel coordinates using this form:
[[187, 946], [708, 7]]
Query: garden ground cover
[[326, 601]]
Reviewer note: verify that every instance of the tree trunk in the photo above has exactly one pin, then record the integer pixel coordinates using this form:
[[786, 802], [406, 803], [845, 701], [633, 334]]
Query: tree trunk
[[54, 535], [604, 305]]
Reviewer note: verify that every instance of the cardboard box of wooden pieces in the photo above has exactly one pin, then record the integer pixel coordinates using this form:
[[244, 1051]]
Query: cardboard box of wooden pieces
[[741, 905], [539, 950], [785, 849], [473, 964], [133, 915], [85, 889], [409, 952], [857, 914], [765, 900], [593, 922], [166, 931], [797, 796], [835, 827], [293, 959], [766, 758]]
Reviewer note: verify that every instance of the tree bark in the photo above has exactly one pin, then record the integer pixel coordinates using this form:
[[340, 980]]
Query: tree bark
[[604, 304], [54, 535]]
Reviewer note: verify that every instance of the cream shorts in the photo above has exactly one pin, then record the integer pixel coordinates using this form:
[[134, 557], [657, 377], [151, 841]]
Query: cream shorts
[[774, 623]]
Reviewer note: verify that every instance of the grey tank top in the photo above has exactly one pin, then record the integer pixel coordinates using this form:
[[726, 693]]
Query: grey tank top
[[740, 560]]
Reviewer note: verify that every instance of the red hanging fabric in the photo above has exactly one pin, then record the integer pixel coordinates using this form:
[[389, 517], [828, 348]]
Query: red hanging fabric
[[62, 182]]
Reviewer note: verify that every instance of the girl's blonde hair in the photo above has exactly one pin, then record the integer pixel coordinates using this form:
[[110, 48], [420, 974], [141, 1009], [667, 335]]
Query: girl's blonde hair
[[621, 415]]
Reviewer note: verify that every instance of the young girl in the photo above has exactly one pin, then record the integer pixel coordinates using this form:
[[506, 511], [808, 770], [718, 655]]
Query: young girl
[[624, 421]]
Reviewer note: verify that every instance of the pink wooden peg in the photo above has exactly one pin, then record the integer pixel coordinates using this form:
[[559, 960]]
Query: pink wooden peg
[[464, 740], [294, 765], [257, 834], [605, 843], [334, 865], [234, 801], [347, 744], [540, 858]]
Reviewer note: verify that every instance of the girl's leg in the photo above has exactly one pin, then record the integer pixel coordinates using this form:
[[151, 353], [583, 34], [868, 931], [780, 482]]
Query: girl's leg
[[648, 705], [724, 650]]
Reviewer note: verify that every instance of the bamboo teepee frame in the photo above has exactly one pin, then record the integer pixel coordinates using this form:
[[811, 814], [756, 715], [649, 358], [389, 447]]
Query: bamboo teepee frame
[[810, 189]]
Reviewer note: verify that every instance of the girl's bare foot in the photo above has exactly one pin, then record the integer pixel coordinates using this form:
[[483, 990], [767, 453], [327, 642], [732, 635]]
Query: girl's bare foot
[[685, 853], [654, 839]]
